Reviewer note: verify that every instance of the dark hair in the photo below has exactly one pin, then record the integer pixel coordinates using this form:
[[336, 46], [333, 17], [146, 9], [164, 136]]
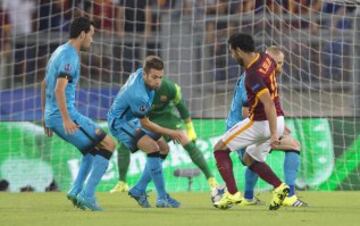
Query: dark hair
[[78, 25], [242, 41], [153, 62]]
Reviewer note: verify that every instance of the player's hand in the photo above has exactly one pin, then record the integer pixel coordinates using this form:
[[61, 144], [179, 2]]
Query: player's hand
[[179, 136], [274, 141], [70, 127], [48, 132], [190, 131]]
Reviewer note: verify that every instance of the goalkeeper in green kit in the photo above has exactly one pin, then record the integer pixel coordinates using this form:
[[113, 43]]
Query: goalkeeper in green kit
[[167, 98]]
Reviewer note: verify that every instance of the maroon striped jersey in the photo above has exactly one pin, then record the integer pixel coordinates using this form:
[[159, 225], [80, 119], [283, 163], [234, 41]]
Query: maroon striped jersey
[[261, 76]]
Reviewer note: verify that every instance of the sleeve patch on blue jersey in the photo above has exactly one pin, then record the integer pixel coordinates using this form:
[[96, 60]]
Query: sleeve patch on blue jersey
[[255, 87], [143, 108], [67, 68]]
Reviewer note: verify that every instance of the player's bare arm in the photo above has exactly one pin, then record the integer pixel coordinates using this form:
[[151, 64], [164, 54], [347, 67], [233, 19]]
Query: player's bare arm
[[270, 111], [176, 135], [69, 126], [47, 131]]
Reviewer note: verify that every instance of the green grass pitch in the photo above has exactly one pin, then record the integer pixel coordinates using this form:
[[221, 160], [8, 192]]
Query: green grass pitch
[[52, 209]]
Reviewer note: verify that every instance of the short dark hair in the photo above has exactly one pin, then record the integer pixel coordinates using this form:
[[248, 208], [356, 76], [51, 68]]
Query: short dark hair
[[242, 41], [78, 25], [153, 62]]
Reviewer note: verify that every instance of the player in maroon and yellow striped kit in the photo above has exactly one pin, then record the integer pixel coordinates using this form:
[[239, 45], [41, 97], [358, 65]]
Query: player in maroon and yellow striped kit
[[260, 131]]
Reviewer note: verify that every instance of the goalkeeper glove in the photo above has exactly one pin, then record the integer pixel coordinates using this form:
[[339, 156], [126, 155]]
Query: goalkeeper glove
[[190, 131]]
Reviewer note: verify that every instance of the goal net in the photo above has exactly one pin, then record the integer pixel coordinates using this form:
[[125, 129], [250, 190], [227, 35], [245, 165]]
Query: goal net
[[319, 86]]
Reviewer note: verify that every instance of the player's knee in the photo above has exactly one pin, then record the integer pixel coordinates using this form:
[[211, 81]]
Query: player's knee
[[153, 147], [112, 144], [297, 146], [219, 146], [109, 143], [164, 147]]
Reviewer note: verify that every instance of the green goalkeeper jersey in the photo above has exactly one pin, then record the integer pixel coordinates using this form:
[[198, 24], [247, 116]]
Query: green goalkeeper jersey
[[167, 98]]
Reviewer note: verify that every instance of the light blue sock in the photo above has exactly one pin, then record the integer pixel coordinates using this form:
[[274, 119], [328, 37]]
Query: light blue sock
[[250, 181], [141, 185], [241, 153], [291, 166], [250, 177], [154, 167], [85, 167], [100, 165]]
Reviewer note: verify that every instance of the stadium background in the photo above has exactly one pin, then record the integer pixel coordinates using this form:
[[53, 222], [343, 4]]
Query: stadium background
[[319, 86]]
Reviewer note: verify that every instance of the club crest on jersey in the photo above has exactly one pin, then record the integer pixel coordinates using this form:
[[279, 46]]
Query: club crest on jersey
[[163, 98]]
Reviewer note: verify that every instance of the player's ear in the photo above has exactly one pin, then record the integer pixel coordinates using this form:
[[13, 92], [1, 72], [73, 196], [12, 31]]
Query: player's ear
[[82, 35]]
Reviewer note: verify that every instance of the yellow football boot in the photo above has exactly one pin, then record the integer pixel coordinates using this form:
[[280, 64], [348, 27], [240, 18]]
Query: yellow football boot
[[228, 200], [279, 194], [121, 186]]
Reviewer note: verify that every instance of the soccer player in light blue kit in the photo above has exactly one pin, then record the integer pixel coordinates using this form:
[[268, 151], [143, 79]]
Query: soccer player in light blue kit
[[238, 110], [61, 117], [128, 122]]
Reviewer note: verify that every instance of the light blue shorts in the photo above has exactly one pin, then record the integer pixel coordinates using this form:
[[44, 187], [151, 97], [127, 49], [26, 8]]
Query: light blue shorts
[[129, 132], [85, 138]]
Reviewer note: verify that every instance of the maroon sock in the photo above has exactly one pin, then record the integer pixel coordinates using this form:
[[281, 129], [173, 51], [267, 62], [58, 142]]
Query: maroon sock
[[224, 165], [265, 173]]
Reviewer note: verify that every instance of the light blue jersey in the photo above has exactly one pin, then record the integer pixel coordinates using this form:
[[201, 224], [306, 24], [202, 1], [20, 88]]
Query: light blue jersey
[[133, 100], [64, 61], [239, 101], [131, 103]]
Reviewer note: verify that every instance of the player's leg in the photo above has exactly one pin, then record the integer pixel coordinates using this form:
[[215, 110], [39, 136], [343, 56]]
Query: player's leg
[[129, 134], [198, 159], [103, 153], [239, 136], [254, 159], [251, 179], [84, 169], [86, 138], [123, 154], [153, 165], [140, 186], [291, 147], [169, 201], [173, 122], [78, 139], [231, 141], [255, 156], [225, 167], [105, 146]]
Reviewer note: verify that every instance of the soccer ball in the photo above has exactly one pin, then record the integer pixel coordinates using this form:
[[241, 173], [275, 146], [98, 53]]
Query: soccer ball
[[217, 193]]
